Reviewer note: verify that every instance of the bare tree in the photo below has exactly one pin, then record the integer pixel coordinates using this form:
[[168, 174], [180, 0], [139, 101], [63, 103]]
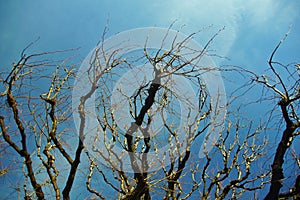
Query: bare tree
[[152, 96], [140, 120], [34, 119], [155, 96], [283, 83]]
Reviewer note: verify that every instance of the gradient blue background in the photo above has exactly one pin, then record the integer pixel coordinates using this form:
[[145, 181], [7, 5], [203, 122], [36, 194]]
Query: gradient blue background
[[252, 28]]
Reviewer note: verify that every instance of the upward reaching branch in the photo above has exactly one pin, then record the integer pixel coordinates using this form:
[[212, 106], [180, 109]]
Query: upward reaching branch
[[287, 104], [23, 150]]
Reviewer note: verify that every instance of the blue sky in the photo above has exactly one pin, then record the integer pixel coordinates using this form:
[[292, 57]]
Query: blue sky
[[252, 28]]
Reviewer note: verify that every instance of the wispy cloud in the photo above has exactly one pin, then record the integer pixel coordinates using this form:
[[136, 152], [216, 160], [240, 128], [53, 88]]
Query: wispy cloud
[[233, 14], [198, 14], [260, 12], [269, 13]]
